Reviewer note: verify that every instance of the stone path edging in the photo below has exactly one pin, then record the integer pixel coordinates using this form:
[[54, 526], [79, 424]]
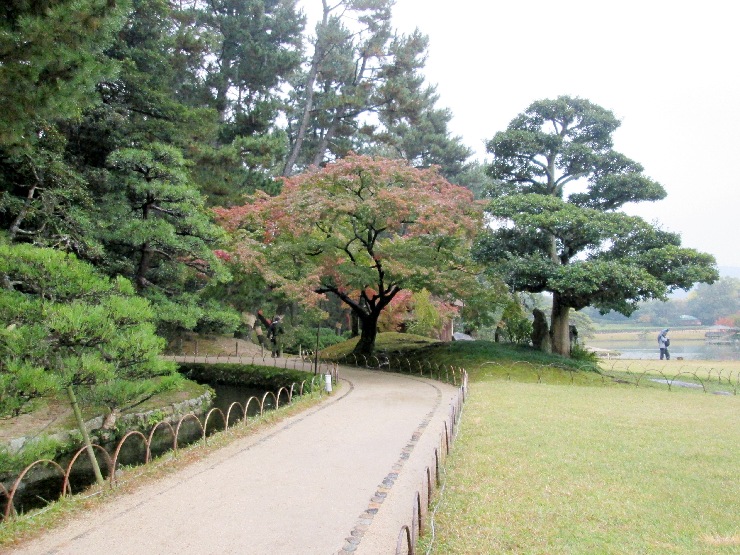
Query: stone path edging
[[366, 518]]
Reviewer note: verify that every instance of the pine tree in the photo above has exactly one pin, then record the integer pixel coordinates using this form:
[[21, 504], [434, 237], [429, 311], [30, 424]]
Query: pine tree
[[67, 328], [577, 244], [51, 60], [254, 46]]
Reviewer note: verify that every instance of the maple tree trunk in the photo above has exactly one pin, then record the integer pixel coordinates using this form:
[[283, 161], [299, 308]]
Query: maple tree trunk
[[354, 324], [366, 344]]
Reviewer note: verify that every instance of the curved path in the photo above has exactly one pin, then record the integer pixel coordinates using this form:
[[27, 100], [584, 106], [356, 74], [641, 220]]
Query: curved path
[[338, 478]]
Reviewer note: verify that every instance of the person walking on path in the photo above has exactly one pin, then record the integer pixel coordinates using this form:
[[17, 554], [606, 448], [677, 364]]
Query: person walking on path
[[663, 343], [273, 334], [274, 331]]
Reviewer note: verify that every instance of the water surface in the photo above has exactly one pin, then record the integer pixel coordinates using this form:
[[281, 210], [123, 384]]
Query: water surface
[[647, 349]]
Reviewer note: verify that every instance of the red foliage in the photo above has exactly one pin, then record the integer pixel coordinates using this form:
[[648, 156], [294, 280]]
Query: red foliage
[[359, 224], [729, 321], [397, 312]]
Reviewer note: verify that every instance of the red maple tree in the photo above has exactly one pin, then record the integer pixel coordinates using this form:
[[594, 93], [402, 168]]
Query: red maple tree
[[362, 229]]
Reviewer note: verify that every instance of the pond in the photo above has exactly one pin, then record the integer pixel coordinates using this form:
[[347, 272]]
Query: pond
[[648, 349]]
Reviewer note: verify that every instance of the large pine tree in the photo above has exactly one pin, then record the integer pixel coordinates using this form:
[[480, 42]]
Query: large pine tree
[[559, 190]]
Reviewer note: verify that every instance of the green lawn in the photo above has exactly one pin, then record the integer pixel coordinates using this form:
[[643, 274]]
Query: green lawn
[[563, 457], [560, 469]]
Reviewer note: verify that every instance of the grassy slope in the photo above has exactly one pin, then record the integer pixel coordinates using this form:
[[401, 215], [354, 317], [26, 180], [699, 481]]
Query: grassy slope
[[479, 358]]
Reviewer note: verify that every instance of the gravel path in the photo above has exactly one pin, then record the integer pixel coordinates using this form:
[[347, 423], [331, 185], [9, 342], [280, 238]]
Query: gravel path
[[338, 478]]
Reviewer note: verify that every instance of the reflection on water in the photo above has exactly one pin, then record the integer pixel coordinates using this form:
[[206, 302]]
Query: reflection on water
[[688, 350]]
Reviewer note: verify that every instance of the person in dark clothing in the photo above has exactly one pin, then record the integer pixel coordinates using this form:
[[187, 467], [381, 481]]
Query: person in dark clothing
[[273, 334], [274, 331], [663, 343]]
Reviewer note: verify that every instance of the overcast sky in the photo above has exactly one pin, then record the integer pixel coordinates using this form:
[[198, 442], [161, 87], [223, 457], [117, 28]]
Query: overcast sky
[[669, 70]]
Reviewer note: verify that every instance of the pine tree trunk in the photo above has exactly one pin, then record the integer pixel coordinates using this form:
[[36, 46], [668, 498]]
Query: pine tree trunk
[[222, 100], [145, 252], [88, 444], [559, 326], [16, 225], [318, 57], [318, 156]]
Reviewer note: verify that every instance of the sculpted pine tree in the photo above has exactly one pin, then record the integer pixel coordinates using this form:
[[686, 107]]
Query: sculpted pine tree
[[578, 246], [67, 328], [165, 239], [361, 229]]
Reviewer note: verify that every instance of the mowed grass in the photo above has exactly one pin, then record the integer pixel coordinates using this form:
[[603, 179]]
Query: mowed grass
[[563, 469]]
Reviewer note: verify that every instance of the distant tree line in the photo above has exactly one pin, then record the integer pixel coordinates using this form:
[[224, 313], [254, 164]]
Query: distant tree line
[[715, 304]]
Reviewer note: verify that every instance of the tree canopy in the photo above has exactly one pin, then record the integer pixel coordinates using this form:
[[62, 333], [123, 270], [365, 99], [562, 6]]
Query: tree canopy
[[361, 229], [718, 303], [123, 122], [51, 59], [558, 189], [362, 90]]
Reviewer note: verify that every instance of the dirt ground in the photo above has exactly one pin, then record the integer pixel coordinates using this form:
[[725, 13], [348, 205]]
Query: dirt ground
[[214, 345], [50, 417]]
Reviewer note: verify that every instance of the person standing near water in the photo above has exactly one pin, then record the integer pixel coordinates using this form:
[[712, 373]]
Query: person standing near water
[[663, 343]]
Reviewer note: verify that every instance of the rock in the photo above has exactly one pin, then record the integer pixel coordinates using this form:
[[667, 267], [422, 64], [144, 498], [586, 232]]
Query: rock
[[15, 445], [540, 332]]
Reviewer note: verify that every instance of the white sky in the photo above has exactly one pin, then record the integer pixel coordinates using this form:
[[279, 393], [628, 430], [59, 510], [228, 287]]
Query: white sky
[[669, 70]]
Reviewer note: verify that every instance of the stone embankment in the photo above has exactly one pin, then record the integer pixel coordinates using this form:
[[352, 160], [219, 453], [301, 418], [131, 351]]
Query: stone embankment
[[101, 430]]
